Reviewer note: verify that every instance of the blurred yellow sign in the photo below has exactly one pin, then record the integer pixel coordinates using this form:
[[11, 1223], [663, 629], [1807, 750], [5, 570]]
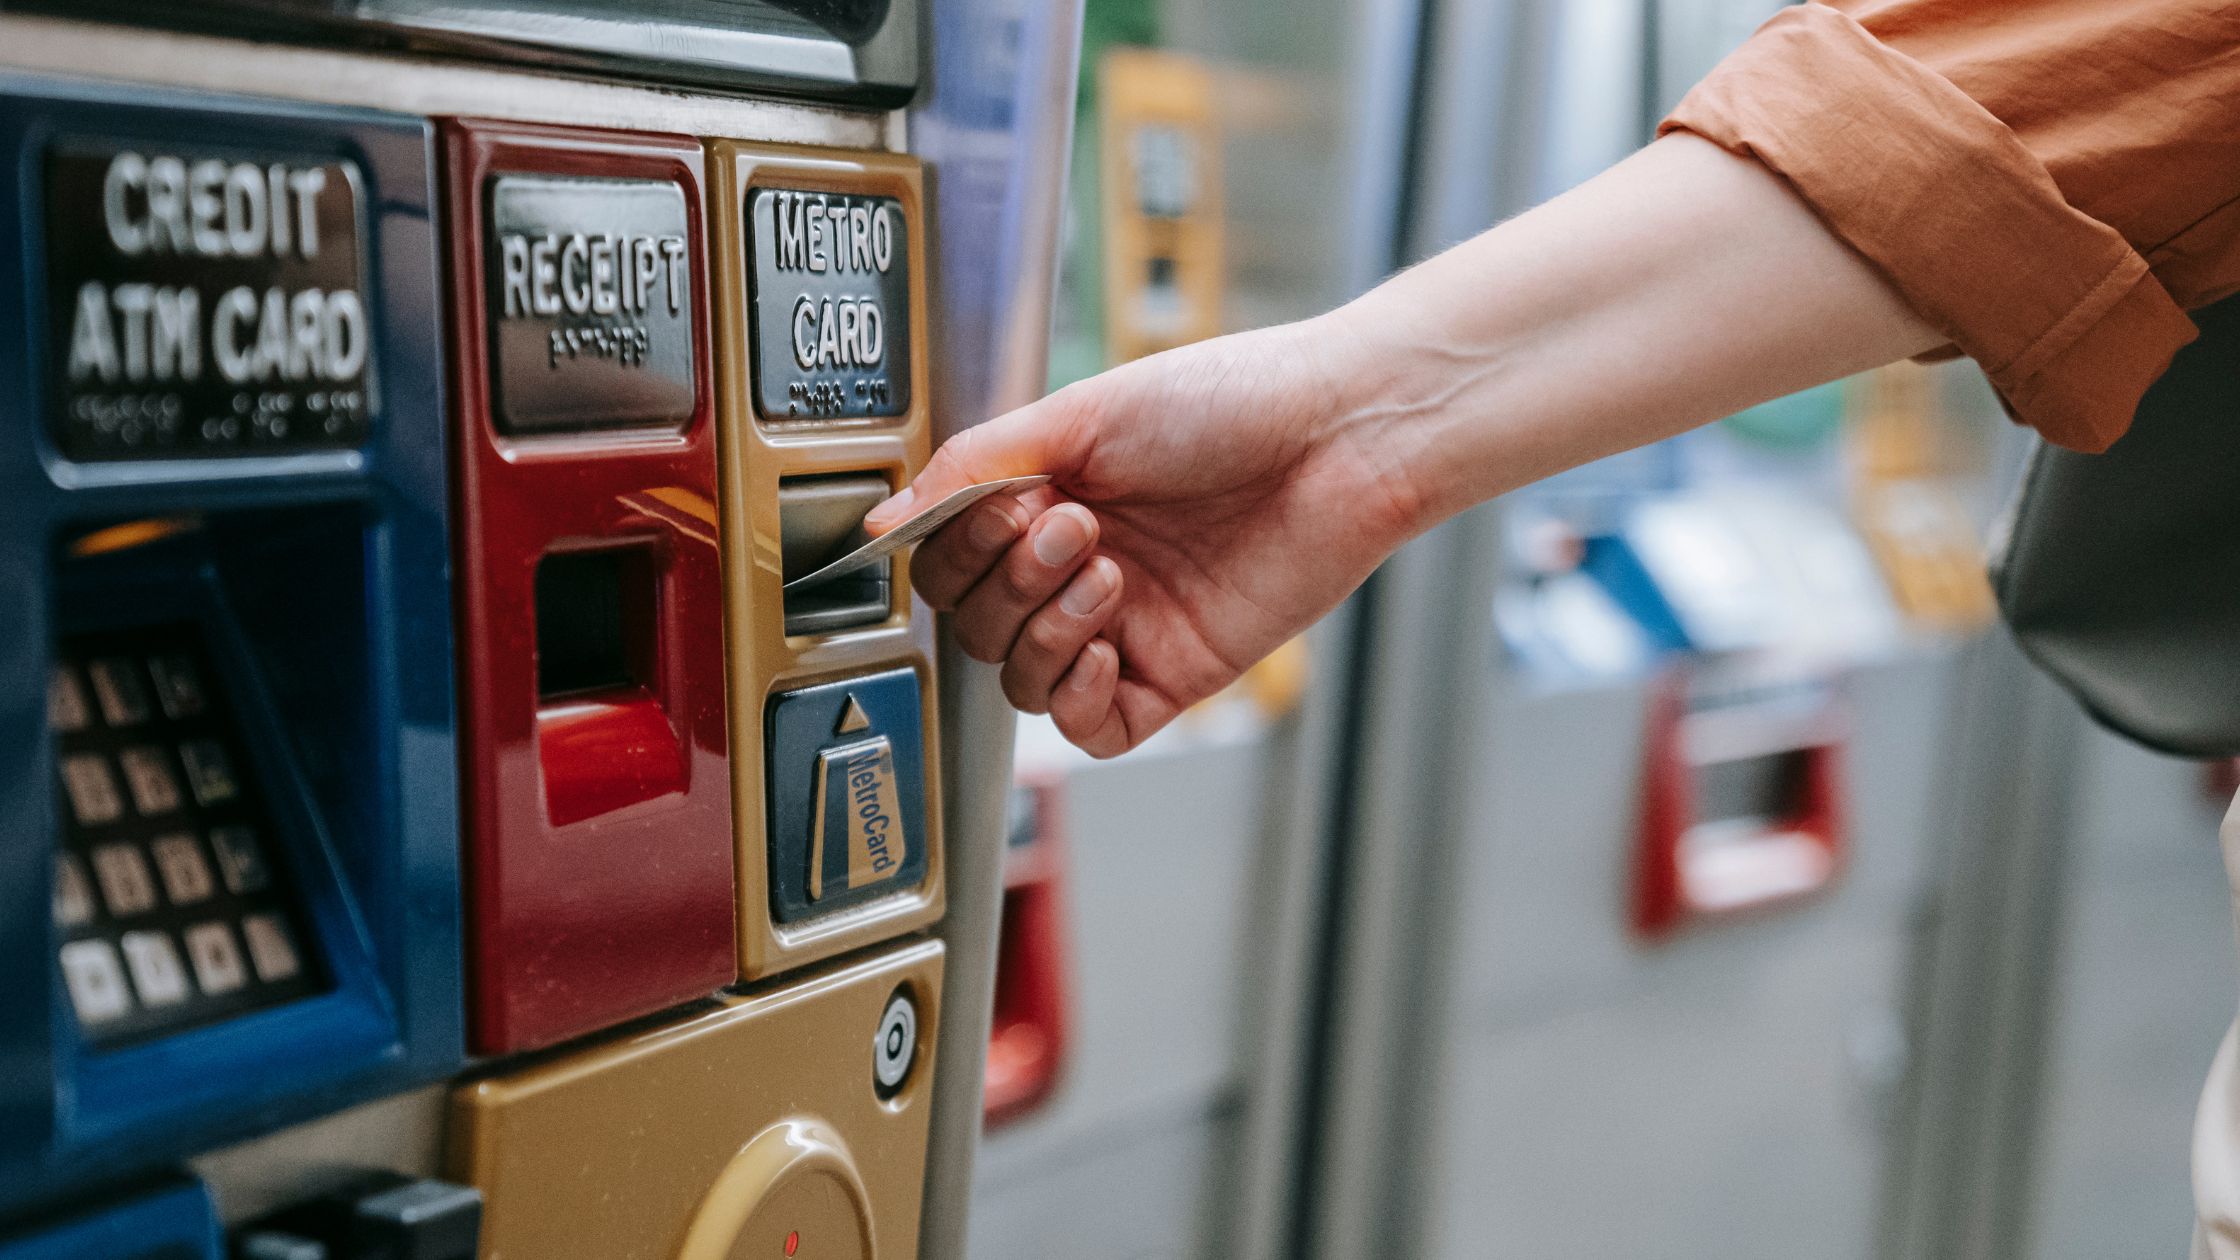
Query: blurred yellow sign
[[1920, 534], [1161, 180]]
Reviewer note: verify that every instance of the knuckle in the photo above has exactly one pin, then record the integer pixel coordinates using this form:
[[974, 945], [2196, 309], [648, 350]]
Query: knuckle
[[974, 641], [1022, 692], [1048, 635], [1021, 582], [939, 593]]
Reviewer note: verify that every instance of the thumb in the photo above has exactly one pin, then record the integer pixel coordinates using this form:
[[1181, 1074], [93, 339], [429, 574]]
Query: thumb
[[1035, 438]]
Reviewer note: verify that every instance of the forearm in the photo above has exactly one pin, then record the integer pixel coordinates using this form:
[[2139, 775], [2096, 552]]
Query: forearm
[[1683, 285]]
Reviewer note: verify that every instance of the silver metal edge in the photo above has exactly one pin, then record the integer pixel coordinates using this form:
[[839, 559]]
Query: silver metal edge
[[977, 723], [416, 85]]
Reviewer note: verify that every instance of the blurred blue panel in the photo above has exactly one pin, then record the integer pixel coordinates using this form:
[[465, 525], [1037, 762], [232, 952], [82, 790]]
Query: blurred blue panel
[[173, 1224], [313, 573]]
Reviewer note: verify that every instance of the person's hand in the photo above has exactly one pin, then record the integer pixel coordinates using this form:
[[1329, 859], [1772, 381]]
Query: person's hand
[[1207, 504]]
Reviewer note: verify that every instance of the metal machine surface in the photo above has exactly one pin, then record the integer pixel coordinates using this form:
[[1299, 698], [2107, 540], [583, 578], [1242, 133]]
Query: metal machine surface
[[434, 831]]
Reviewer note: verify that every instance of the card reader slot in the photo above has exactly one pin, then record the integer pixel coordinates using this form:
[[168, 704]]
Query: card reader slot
[[819, 520]]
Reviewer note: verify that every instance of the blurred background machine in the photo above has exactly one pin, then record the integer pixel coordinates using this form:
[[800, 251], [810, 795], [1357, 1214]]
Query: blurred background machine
[[431, 831], [1748, 893], [1780, 887]]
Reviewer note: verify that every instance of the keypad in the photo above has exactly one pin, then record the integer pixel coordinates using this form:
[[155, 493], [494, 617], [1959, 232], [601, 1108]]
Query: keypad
[[171, 894]]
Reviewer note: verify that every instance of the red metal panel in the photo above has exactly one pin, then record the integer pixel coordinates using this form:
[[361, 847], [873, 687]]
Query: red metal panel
[[1031, 1024], [1683, 876], [599, 844]]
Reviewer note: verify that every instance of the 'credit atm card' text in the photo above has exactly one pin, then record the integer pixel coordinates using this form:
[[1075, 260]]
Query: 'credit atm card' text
[[831, 295], [205, 302]]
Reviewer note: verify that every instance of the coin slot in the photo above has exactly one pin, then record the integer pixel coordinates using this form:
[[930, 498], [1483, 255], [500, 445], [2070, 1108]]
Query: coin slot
[[820, 519]]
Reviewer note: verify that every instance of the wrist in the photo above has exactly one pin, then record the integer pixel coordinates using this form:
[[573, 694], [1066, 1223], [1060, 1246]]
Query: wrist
[[1424, 404]]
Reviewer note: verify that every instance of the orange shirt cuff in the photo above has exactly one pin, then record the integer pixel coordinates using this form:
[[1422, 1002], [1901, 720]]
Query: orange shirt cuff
[[1940, 196]]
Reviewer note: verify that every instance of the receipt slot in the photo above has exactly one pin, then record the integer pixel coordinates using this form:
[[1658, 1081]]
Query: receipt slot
[[714, 1136], [1030, 1026], [1742, 803], [818, 271], [591, 622], [225, 682]]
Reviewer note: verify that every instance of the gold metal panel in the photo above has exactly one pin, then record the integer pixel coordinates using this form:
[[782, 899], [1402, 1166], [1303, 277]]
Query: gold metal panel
[[864, 771], [755, 456], [718, 1136]]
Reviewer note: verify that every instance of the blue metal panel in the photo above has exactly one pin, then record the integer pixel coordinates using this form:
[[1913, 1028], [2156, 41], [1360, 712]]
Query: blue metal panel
[[1611, 560], [171, 1224], [317, 580]]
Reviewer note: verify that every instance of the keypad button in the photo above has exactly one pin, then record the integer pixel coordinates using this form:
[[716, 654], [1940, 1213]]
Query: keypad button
[[271, 948], [147, 771], [96, 982], [179, 686], [73, 892], [123, 876], [156, 971], [123, 697], [240, 861], [92, 790], [185, 872], [66, 702], [209, 771], [217, 962]]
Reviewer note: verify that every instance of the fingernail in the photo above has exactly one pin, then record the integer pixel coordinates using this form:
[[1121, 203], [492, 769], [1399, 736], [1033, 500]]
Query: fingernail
[[894, 507], [1062, 536], [992, 527], [1088, 592]]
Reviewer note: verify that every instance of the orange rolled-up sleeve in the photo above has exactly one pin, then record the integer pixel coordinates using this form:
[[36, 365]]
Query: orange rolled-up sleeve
[[2051, 183]]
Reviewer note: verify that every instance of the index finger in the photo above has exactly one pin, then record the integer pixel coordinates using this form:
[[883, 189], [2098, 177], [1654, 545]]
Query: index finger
[[1037, 438]]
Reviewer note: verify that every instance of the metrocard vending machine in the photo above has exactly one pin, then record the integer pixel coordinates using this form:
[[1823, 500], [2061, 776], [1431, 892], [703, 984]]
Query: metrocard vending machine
[[433, 829]]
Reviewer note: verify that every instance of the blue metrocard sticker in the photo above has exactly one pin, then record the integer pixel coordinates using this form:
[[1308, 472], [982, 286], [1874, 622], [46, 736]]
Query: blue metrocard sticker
[[846, 774]]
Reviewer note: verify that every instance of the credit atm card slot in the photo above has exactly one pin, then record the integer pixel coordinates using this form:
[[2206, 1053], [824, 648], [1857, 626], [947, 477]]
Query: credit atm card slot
[[209, 729], [233, 323], [821, 519]]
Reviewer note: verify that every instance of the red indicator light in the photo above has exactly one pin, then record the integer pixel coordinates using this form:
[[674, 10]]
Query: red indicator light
[[793, 1242]]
